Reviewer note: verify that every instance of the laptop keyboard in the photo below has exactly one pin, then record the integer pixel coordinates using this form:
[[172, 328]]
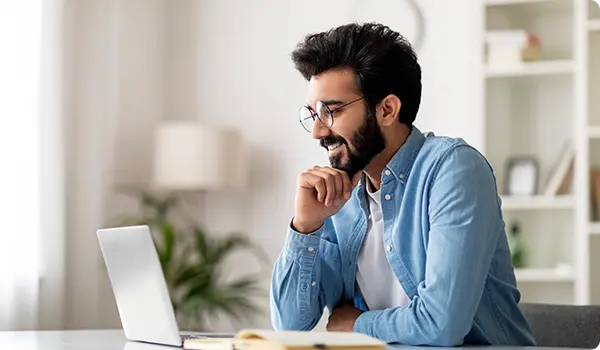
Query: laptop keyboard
[[192, 336]]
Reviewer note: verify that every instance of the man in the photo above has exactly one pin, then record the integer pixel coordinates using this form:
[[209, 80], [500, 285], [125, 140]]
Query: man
[[402, 237]]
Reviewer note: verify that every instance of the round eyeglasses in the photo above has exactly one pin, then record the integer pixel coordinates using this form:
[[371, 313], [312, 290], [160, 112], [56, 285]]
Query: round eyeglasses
[[308, 116]]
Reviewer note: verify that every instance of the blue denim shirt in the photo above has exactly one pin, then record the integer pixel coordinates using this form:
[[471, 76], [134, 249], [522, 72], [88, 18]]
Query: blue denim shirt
[[446, 243]]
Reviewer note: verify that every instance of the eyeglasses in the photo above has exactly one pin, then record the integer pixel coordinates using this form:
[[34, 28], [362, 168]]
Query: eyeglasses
[[324, 113]]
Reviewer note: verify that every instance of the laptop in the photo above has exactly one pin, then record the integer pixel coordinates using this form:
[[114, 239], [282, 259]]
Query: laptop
[[139, 287]]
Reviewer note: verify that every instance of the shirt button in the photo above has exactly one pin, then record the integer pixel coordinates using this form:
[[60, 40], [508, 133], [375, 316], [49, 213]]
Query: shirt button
[[388, 248], [401, 176], [387, 172], [388, 197], [313, 283], [311, 249]]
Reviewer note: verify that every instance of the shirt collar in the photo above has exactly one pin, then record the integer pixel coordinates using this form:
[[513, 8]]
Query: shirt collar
[[401, 163]]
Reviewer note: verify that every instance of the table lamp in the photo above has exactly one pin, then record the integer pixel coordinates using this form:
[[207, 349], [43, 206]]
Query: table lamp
[[192, 156]]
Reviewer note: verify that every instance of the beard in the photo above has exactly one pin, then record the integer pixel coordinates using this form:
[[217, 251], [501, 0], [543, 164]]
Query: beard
[[367, 141]]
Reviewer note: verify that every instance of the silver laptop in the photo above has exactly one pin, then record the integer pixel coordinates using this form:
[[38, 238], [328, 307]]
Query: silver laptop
[[139, 286]]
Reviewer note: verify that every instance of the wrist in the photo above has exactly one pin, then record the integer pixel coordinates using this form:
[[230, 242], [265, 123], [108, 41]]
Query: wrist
[[305, 227]]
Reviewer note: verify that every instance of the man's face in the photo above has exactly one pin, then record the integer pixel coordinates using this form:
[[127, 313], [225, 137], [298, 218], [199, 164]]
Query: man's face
[[355, 137]]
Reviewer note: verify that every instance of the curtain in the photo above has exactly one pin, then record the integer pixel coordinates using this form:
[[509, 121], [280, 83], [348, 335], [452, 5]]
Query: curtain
[[20, 153], [31, 175]]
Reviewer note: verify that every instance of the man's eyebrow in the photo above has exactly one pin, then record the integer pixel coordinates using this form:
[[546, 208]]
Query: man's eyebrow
[[332, 102]]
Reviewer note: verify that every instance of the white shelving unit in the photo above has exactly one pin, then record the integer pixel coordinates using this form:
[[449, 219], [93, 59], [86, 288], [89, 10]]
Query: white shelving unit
[[590, 85], [594, 228], [594, 132], [531, 110], [594, 25], [534, 68], [513, 2], [537, 202]]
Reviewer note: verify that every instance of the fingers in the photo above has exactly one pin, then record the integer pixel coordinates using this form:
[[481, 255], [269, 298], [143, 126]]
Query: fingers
[[346, 184], [317, 182], [332, 185], [341, 183], [330, 194]]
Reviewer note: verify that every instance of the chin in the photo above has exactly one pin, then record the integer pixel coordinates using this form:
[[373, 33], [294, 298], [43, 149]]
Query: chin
[[336, 163]]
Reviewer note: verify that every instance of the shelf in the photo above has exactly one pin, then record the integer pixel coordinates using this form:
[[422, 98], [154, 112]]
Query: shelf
[[594, 132], [544, 275], [594, 228], [531, 68], [513, 2], [537, 202], [594, 25]]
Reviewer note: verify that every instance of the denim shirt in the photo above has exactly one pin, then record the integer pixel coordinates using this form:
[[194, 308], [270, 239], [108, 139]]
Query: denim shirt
[[445, 241]]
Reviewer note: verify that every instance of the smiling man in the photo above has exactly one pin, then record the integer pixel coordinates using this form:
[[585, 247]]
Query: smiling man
[[402, 236]]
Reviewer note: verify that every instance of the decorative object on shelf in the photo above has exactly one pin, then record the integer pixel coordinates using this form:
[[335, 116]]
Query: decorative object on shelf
[[522, 176], [532, 49], [517, 246], [512, 47], [560, 178], [595, 195], [563, 269]]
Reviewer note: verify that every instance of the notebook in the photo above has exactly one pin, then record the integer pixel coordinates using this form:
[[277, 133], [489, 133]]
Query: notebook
[[254, 339]]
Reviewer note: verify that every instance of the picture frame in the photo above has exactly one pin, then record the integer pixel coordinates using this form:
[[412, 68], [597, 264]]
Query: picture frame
[[522, 176]]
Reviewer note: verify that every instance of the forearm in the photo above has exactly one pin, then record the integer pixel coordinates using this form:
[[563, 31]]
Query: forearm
[[297, 299], [422, 322]]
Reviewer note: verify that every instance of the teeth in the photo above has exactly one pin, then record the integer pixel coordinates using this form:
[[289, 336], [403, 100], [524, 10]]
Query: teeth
[[332, 147]]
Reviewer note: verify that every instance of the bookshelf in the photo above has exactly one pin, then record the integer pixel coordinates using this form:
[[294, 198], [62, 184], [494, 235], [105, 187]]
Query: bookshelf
[[534, 68], [537, 202], [594, 25], [531, 110], [594, 132], [513, 2], [594, 228]]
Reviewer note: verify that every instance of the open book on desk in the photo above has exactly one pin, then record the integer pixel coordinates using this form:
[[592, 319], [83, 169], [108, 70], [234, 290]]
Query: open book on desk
[[254, 339]]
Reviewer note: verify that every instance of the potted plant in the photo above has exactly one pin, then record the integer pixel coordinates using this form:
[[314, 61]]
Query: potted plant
[[193, 262]]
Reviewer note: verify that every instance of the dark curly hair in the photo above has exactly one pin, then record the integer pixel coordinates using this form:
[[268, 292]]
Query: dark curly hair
[[382, 60]]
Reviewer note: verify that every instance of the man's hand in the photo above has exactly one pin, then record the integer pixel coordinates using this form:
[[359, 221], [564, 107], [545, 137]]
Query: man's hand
[[342, 319], [321, 192]]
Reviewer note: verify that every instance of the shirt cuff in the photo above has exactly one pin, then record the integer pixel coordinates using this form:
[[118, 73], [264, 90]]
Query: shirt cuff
[[364, 323], [298, 245]]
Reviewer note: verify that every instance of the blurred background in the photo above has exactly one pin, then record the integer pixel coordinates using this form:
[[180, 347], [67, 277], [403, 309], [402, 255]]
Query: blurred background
[[183, 114]]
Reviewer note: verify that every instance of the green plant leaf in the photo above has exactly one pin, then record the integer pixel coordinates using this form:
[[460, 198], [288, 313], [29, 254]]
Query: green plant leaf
[[168, 245], [193, 263], [249, 285], [194, 274], [201, 242], [226, 246]]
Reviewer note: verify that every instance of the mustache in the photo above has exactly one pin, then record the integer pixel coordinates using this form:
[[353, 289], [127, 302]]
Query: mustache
[[330, 140]]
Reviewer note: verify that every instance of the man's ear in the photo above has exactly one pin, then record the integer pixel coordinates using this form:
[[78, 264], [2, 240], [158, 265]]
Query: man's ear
[[389, 109]]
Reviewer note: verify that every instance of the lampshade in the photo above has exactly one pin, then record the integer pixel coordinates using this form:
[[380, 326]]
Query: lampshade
[[189, 155]]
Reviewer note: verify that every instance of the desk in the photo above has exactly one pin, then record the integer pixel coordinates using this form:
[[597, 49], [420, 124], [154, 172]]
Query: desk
[[115, 340]]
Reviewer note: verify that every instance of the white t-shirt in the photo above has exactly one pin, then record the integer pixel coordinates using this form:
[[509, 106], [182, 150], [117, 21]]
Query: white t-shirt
[[376, 281]]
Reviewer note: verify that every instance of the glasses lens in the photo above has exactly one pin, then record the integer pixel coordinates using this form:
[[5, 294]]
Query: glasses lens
[[306, 118], [324, 114]]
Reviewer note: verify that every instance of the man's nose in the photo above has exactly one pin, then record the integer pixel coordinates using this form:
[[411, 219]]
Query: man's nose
[[319, 130]]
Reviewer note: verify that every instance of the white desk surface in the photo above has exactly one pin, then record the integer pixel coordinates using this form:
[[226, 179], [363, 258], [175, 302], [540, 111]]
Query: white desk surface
[[113, 340]]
